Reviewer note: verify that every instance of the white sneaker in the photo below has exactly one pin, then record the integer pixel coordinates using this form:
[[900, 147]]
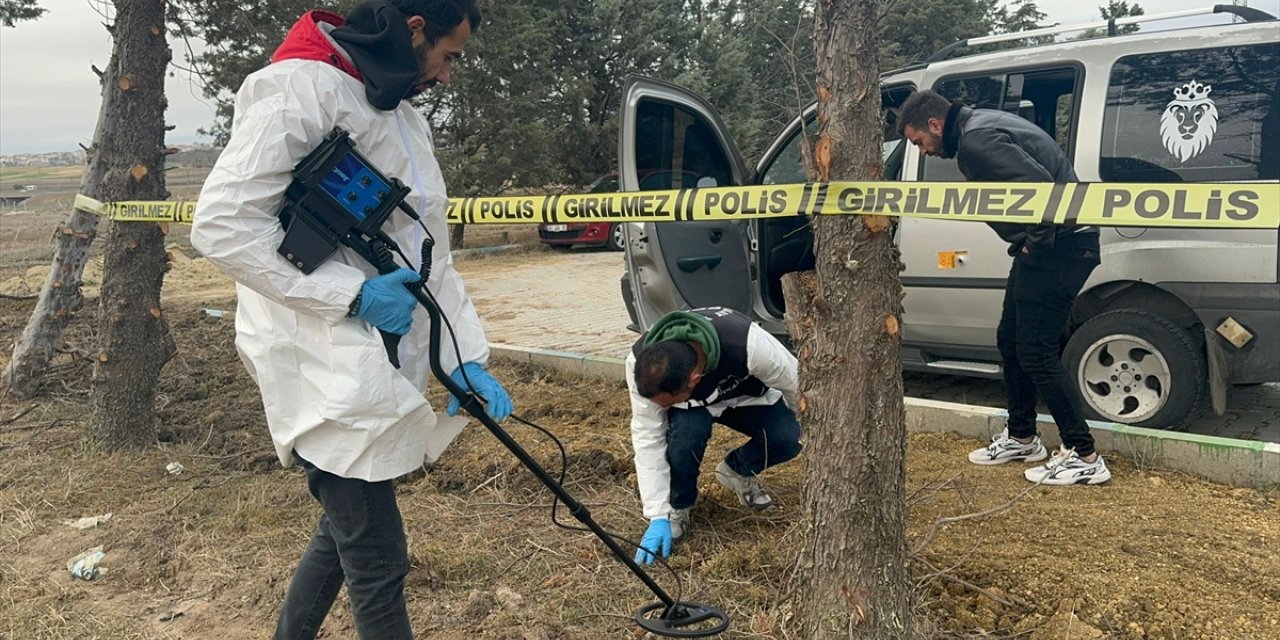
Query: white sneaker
[[1005, 449], [679, 521], [749, 490], [1066, 468]]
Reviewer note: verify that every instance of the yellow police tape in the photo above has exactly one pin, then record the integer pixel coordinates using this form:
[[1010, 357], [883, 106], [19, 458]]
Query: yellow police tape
[[178, 211], [1211, 206]]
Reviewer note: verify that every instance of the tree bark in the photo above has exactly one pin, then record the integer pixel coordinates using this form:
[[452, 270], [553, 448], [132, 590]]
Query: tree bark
[[457, 232], [61, 296], [844, 320], [134, 336]]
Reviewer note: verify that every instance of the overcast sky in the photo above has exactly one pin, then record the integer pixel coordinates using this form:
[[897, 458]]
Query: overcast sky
[[49, 97]]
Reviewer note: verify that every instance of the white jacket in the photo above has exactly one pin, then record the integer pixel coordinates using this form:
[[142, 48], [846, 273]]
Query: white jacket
[[328, 389], [768, 360]]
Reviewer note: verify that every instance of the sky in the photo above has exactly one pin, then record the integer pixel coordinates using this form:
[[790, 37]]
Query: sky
[[49, 96]]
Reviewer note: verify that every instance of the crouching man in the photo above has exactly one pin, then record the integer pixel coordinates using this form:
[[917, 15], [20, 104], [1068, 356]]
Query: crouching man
[[691, 369]]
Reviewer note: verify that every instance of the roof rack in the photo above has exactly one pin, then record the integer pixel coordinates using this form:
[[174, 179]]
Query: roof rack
[[1249, 14]]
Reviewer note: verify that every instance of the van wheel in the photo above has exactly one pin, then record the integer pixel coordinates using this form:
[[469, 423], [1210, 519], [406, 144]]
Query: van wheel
[[616, 240], [1137, 368]]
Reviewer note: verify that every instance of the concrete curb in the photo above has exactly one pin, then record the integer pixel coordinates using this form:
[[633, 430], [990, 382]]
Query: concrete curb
[[502, 248], [576, 364], [1241, 463]]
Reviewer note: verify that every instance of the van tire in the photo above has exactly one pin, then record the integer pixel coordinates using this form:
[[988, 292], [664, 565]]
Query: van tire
[[1137, 368]]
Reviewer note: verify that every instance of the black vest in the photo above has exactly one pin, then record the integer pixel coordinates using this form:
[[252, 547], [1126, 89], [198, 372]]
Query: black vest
[[730, 378]]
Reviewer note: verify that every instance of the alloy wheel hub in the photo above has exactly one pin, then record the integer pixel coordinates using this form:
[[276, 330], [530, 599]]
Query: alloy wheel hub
[[1124, 378]]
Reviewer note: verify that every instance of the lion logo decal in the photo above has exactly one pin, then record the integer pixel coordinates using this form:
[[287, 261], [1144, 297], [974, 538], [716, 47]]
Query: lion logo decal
[[1189, 121]]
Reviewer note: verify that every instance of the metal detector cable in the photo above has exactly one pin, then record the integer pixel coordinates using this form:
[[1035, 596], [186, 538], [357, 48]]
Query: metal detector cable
[[425, 271]]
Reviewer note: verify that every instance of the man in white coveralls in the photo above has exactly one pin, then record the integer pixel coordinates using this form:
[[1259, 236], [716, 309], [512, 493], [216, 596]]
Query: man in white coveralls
[[334, 403]]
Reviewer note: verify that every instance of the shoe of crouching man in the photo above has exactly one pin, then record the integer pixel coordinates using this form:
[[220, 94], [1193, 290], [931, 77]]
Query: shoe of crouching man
[[679, 521], [750, 491]]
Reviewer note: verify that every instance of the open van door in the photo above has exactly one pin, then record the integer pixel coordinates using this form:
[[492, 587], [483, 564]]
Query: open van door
[[669, 138]]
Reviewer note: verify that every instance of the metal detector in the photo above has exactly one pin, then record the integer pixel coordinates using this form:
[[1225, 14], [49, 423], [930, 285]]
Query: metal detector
[[339, 198]]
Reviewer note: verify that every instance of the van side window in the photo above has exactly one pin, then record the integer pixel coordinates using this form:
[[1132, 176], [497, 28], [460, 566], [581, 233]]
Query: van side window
[[1046, 97], [1204, 115], [894, 148], [788, 166], [680, 150]]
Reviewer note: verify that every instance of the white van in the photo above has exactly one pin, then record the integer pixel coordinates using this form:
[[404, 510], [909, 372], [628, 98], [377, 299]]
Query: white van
[[1171, 319]]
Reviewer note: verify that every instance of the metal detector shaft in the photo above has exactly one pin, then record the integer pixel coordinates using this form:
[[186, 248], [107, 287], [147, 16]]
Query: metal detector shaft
[[476, 409]]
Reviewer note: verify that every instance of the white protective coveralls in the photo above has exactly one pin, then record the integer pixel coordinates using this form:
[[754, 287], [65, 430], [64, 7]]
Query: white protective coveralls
[[767, 360], [329, 391]]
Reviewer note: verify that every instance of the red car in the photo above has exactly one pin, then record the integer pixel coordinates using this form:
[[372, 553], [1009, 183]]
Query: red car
[[606, 234], [565, 236], [588, 234]]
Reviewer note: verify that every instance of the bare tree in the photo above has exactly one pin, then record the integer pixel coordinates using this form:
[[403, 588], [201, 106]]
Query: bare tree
[[134, 339], [126, 162], [61, 296], [845, 318]]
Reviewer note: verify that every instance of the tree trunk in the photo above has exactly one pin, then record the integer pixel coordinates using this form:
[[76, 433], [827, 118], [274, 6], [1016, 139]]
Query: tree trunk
[[844, 320], [456, 234], [134, 340], [61, 296]]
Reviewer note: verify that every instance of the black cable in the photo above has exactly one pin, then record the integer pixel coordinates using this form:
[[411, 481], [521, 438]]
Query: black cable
[[427, 244], [564, 466]]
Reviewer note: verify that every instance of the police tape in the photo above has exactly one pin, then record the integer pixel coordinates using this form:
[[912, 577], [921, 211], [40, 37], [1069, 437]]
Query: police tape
[[1254, 205], [1215, 206], [176, 211]]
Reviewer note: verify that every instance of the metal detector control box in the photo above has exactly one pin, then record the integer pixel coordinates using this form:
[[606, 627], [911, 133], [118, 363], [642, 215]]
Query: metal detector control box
[[335, 192]]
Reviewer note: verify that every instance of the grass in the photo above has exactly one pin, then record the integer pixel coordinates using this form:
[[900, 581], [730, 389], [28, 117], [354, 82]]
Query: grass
[[41, 176], [218, 542]]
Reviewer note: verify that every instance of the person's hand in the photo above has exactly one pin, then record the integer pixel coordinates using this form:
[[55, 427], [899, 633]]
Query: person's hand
[[657, 539], [386, 303], [499, 401]]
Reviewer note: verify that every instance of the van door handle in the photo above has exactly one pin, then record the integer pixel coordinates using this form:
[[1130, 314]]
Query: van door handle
[[693, 263]]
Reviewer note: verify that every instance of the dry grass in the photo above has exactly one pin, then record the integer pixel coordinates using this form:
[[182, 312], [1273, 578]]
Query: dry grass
[[209, 553]]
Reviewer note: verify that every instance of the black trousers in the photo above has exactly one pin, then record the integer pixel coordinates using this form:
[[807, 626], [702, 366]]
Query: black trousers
[[1037, 305], [359, 541], [774, 438]]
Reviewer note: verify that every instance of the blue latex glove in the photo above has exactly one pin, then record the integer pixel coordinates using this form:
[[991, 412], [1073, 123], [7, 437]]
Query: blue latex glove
[[657, 539], [385, 302], [499, 401]]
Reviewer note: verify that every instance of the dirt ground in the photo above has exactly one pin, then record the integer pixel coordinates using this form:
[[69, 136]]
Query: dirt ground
[[208, 552]]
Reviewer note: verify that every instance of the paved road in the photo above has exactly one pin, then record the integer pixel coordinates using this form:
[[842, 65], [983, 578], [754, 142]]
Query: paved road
[[571, 302]]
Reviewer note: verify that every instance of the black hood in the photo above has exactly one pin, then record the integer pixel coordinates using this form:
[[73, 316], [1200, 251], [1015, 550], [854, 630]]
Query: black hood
[[380, 44]]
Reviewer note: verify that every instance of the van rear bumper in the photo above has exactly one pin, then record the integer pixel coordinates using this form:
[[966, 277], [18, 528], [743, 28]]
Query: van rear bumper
[[1256, 307]]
